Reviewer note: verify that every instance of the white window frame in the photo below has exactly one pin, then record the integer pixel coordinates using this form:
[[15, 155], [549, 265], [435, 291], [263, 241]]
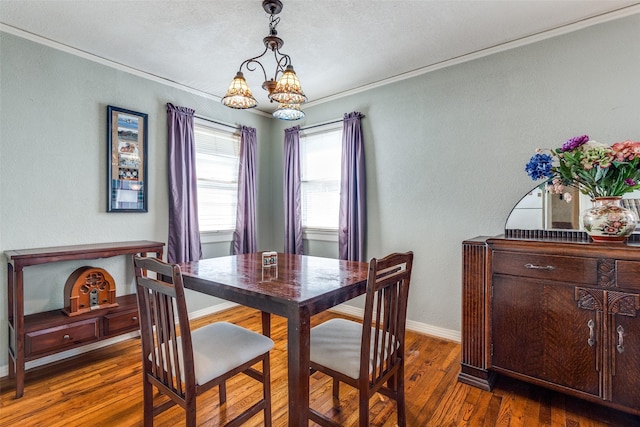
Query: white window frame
[[221, 235], [321, 233]]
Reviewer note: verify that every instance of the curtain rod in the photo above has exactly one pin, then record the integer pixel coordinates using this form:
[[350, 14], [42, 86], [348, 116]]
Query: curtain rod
[[326, 123], [216, 122], [236, 127]]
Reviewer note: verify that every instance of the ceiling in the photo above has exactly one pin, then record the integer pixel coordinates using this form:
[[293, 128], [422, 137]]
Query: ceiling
[[336, 46]]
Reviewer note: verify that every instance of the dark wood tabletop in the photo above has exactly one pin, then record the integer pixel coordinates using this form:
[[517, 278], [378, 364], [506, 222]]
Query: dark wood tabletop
[[304, 286]]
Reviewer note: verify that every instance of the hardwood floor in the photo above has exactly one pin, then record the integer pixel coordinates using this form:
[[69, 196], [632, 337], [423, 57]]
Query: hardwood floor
[[104, 388]]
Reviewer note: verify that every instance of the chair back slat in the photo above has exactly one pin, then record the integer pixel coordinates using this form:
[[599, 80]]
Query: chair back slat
[[161, 302], [155, 333], [382, 346]]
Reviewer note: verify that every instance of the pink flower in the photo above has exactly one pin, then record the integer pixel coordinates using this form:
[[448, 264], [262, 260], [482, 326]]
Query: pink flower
[[626, 150], [555, 186], [592, 168]]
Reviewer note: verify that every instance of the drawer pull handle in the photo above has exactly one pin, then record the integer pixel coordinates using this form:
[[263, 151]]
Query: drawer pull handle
[[592, 336], [134, 318], [66, 337], [620, 345], [539, 267]]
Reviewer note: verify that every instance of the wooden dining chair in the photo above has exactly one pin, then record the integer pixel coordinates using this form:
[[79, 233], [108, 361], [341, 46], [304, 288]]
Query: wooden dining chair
[[370, 355], [183, 365]]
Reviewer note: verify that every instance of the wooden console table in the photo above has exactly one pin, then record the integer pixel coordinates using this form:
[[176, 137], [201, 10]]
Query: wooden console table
[[561, 314], [42, 334]]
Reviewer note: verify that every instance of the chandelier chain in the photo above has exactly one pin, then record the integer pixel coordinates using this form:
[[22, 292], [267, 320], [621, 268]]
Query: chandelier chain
[[273, 23]]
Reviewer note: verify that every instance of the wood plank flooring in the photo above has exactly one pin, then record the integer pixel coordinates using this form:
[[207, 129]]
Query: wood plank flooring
[[104, 388]]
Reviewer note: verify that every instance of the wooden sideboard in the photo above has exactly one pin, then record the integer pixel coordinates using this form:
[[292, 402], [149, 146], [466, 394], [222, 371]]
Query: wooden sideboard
[[42, 334], [561, 314]]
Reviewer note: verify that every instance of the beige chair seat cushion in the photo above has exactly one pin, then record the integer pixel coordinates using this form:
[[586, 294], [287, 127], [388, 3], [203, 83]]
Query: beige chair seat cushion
[[220, 347], [336, 345]]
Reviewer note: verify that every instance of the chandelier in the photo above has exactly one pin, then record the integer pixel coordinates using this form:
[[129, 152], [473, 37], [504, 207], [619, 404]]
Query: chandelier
[[285, 90]]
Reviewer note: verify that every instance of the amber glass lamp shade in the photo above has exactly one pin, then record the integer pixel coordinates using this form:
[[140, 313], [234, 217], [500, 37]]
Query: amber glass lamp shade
[[288, 90], [239, 95], [288, 112]]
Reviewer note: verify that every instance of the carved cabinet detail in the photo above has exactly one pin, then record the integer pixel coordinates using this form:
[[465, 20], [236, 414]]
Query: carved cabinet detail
[[564, 315]]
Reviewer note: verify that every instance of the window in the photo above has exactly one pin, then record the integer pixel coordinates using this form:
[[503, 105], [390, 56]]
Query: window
[[217, 158], [320, 159]]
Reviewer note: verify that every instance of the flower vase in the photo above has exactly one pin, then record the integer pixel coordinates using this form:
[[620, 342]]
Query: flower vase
[[608, 221]]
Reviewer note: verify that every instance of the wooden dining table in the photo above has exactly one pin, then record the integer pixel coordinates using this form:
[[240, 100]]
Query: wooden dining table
[[301, 287]]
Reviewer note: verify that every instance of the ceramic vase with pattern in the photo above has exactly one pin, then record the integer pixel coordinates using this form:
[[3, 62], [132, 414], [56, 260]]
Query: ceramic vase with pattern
[[608, 221]]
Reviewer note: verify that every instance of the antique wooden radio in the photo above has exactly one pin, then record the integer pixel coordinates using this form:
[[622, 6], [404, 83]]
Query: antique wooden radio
[[89, 288]]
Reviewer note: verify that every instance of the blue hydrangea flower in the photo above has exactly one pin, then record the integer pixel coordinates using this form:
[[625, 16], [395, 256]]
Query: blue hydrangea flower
[[539, 167]]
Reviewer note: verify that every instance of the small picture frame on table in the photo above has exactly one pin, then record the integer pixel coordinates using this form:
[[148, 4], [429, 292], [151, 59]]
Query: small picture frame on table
[[127, 160]]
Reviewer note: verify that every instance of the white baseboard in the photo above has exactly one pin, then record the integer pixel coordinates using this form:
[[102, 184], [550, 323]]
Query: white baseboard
[[422, 328], [4, 370], [342, 308], [412, 325], [212, 309]]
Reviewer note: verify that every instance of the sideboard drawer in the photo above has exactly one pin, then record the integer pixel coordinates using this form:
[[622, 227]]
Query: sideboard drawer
[[628, 274], [551, 267], [56, 339], [115, 323]]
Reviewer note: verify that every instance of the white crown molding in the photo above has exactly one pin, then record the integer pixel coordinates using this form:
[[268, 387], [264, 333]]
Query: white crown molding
[[103, 61], [565, 29], [569, 28], [112, 64]]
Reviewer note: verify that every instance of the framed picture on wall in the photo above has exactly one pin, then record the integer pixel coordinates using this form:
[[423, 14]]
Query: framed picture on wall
[[127, 164]]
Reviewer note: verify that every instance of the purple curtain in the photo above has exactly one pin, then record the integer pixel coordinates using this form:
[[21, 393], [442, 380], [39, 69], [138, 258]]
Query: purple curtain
[[245, 236], [353, 208], [184, 233], [292, 195]]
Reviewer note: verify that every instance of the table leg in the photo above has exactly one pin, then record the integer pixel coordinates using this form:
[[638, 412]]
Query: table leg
[[298, 330], [266, 324]]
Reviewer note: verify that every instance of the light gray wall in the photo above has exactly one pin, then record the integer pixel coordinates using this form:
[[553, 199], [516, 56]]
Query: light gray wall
[[53, 164], [445, 152]]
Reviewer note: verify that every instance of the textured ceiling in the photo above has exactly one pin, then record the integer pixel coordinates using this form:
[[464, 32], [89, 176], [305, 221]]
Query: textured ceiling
[[335, 46]]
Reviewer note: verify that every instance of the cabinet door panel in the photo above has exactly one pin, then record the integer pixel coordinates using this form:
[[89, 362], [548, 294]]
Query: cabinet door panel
[[538, 331], [517, 342], [572, 337], [626, 360]]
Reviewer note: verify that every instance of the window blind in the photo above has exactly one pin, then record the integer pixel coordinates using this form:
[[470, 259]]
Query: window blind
[[217, 164], [320, 156]]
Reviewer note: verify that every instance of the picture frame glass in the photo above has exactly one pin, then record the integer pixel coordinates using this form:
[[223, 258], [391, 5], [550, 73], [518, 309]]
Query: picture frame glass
[[127, 171]]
